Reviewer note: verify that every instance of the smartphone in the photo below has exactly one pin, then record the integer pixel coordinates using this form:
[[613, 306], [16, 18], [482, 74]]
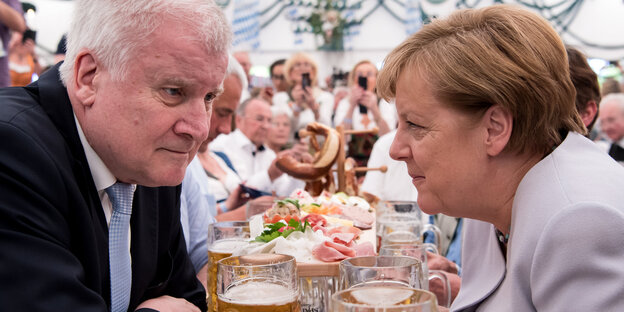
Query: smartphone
[[29, 34], [305, 80], [363, 82], [253, 193]]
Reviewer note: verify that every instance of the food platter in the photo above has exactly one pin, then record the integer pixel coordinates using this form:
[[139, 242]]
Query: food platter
[[318, 269]]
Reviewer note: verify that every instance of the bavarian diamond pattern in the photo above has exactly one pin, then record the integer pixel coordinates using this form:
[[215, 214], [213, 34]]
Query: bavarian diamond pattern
[[121, 195]]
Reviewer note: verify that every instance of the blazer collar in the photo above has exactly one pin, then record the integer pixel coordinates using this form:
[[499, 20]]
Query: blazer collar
[[486, 263]]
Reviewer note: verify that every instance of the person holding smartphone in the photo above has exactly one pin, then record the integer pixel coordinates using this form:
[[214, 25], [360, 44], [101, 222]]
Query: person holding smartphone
[[361, 109], [308, 102]]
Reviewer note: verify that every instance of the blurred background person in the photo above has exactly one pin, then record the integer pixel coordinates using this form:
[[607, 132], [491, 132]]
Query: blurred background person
[[11, 19], [362, 110], [281, 138], [612, 123], [61, 49], [278, 81], [23, 61], [308, 102], [373, 112], [585, 82], [242, 57], [610, 85]]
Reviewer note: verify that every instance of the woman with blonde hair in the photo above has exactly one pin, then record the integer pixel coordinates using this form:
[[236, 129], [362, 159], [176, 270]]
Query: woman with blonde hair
[[362, 109], [308, 102], [489, 131]]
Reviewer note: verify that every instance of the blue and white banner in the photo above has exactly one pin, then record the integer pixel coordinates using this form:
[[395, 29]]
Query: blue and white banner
[[413, 17], [246, 24]]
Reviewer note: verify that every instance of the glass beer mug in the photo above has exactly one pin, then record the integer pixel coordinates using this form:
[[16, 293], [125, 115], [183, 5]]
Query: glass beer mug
[[257, 283], [384, 298], [400, 222], [223, 239]]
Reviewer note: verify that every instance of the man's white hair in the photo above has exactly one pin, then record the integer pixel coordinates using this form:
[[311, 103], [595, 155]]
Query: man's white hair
[[116, 30], [235, 68], [618, 98]]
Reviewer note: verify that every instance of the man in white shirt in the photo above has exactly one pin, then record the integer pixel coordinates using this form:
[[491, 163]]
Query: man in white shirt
[[612, 123], [245, 148]]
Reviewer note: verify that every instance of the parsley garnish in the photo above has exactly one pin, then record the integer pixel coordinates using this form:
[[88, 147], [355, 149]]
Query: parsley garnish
[[272, 232]]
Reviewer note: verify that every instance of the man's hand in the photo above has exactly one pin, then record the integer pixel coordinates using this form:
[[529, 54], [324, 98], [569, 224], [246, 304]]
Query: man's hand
[[169, 304]]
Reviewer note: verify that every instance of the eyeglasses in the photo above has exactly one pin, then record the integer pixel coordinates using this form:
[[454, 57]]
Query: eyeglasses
[[278, 77]]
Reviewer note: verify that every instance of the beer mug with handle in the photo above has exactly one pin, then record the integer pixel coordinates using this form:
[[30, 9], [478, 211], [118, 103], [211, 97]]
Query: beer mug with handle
[[402, 222], [443, 291], [258, 283], [370, 271]]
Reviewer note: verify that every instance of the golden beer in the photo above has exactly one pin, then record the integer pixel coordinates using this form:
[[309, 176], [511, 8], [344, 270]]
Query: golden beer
[[258, 296], [220, 249]]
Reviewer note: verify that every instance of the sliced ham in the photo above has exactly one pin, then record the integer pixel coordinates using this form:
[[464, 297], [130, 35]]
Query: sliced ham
[[329, 252], [364, 249], [360, 217], [343, 238], [320, 227], [344, 229]]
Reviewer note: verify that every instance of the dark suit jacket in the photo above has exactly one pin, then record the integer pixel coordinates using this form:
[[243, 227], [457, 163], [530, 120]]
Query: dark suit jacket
[[53, 233]]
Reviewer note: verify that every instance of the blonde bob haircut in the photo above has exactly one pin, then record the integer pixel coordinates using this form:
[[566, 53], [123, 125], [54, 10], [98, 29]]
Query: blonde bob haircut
[[300, 57], [501, 55], [353, 78]]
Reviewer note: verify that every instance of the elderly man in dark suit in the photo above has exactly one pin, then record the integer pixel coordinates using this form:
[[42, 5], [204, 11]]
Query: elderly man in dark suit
[[93, 154]]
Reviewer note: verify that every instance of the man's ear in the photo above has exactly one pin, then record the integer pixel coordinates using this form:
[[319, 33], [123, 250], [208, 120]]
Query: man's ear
[[85, 70], [498, 122], [590, 111]]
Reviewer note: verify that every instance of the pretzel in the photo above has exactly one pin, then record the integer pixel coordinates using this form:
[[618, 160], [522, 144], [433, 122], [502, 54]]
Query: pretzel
[[324, 156]]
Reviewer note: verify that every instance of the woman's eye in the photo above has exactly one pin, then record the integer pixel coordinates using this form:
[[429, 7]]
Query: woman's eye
[[413, 125]]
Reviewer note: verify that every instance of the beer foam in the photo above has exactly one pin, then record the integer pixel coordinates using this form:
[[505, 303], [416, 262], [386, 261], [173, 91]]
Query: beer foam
[[259, 293], [228, 245], [381, 296]]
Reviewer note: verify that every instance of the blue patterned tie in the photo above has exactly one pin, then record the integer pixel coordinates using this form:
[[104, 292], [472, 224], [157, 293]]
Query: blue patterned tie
[[121, 195]]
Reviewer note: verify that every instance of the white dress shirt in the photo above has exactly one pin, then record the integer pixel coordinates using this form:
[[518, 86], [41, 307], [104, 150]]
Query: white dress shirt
[[102, 176]]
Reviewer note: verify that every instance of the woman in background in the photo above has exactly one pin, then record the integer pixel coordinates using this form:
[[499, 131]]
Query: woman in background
[[308, 102], [375, 112]]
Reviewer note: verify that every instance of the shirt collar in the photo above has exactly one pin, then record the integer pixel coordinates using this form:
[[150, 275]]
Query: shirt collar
[[245, 143], [102, 177]]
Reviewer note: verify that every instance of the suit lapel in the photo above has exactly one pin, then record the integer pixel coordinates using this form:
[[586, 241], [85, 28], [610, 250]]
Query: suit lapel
[[55, 102], [486, 263]]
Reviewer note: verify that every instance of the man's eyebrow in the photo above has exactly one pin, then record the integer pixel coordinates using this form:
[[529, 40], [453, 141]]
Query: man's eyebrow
[[176, 81]]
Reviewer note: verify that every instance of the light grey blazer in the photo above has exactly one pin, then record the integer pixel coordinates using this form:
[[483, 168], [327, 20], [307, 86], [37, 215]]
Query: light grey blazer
[[566, 247]]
